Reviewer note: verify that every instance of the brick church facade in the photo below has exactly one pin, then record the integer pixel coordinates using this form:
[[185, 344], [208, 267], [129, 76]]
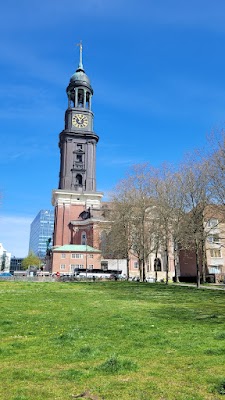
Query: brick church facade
[[79, 215]]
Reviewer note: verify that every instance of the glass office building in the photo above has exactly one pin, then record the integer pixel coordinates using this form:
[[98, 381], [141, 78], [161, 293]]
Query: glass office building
[[41, 230], [15, 264]]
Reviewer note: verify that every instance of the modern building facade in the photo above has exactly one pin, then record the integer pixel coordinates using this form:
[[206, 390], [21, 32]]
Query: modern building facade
[[15, 264], [41, 230]]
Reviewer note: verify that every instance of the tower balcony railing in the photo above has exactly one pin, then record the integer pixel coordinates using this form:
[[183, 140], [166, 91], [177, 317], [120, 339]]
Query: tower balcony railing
[[78, 166], [78, 187]]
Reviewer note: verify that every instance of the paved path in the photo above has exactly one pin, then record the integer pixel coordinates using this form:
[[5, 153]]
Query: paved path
[[213, 286]]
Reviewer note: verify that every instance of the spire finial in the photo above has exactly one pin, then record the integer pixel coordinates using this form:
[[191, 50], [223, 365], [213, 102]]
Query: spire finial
[[80, 66]]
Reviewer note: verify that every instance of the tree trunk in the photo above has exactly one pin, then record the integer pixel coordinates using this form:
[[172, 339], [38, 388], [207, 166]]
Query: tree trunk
[[175, 259], [128, 268], [197, 266], [143, 274], [175, 270], [140, 269], [203, 263], [156, 266], [167, 267]]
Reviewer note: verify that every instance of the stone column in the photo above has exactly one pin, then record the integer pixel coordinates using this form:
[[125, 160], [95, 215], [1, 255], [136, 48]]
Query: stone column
[[84, 99], [76, 97]]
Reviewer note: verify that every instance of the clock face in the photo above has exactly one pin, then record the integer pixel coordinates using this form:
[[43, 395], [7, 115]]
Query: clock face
[[79, 121]]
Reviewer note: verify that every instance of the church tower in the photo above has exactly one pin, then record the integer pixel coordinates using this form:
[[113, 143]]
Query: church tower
[[78, 140], [76, 201]]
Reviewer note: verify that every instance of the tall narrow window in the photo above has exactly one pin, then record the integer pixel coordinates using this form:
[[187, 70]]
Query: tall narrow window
[[71, 102], [216, 253], [80, 98], [79, 180], [87, 105], [104, 265], [83, 238], [157, 264]]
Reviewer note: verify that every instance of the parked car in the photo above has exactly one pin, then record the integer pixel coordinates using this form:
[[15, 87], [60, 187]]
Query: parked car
[[5, 275], [122, 277], [150, 279], [134, 278]]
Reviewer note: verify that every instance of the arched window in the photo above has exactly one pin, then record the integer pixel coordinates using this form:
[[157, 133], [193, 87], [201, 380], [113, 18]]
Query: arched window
[[80, 98], [79, 180], [157, 264], [84, 238], [70, 101], [87, 105]]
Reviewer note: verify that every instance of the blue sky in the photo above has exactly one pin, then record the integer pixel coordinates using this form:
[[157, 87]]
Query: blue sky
[[158, 72]]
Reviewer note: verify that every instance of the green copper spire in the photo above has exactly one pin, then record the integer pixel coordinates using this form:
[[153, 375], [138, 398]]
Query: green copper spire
[[80, 66], [79, 78]]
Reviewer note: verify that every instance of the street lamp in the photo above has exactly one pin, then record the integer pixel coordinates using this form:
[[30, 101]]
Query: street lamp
[[86, 250], [86, 254]]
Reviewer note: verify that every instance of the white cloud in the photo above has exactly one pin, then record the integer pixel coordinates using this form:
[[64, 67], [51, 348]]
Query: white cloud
[[15, 232]]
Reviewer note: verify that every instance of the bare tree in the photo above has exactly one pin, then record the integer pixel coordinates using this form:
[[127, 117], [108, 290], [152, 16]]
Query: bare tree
[[132, 222], [195, 181], [147, 210], [216, 168], [142, 232], [157, 210], [169, 209], [119, 243]]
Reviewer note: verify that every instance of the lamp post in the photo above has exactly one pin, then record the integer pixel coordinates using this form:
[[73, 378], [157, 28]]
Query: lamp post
[[86, 248], [86, 254]]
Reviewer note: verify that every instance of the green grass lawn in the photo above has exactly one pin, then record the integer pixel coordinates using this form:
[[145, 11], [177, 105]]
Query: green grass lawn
[[114, 340]]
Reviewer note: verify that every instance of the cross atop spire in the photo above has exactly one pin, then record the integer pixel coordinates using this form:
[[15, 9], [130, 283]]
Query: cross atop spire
[[80, 66]]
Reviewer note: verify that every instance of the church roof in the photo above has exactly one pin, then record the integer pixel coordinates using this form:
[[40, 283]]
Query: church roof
[[76, 248], [80, 76]]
